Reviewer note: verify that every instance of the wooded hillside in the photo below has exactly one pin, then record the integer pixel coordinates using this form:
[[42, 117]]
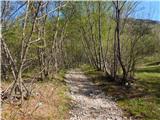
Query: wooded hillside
[[42, 38]]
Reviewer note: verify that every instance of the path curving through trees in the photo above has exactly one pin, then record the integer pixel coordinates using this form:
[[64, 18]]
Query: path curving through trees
[[88, 100]]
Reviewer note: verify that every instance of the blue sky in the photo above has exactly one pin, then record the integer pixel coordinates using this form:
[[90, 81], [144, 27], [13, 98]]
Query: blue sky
[[148, 10]]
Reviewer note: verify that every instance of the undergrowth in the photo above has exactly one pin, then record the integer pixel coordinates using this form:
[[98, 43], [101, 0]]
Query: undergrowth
[[49, 101]]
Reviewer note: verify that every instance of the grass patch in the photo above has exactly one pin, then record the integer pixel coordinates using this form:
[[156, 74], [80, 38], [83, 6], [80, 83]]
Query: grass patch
[[148, 106], [141, 108], [149, 69], [90, 71], [151, 60], [87, 69], [153, 63]]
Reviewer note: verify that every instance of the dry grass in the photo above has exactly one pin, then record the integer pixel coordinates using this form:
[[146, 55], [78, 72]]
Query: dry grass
[[49, 102]]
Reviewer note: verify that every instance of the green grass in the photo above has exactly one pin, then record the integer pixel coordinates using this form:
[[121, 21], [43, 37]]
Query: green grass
[[148, 106], [90, 71], [64, 100], [87, 69], [150, 59], [149, 69], [141, 108]]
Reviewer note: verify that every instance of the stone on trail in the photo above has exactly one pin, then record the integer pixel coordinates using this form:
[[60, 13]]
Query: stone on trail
[[88, 100]]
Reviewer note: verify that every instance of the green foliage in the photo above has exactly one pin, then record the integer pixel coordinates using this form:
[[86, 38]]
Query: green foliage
[[12, 37]]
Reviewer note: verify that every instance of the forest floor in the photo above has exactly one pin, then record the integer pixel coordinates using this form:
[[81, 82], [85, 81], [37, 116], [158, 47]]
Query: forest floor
[[88, 100], [88, 95], [48, 102]]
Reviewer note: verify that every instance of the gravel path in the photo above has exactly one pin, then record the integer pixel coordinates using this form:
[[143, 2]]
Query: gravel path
[[89, 102]]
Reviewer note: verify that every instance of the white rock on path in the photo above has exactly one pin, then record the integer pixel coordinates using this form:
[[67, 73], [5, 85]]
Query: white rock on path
[[89, 102]]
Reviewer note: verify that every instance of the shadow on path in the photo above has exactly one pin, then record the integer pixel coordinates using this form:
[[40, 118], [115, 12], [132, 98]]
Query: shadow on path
[[89, 102]]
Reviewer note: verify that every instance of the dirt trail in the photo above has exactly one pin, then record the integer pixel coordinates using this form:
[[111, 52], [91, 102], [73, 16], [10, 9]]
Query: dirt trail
[[89, 102]]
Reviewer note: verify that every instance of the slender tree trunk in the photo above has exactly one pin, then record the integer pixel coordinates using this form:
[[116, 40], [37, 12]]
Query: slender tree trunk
[[118, 42]]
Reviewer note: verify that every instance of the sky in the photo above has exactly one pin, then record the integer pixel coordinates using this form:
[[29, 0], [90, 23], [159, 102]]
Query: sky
[[148, 10]]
